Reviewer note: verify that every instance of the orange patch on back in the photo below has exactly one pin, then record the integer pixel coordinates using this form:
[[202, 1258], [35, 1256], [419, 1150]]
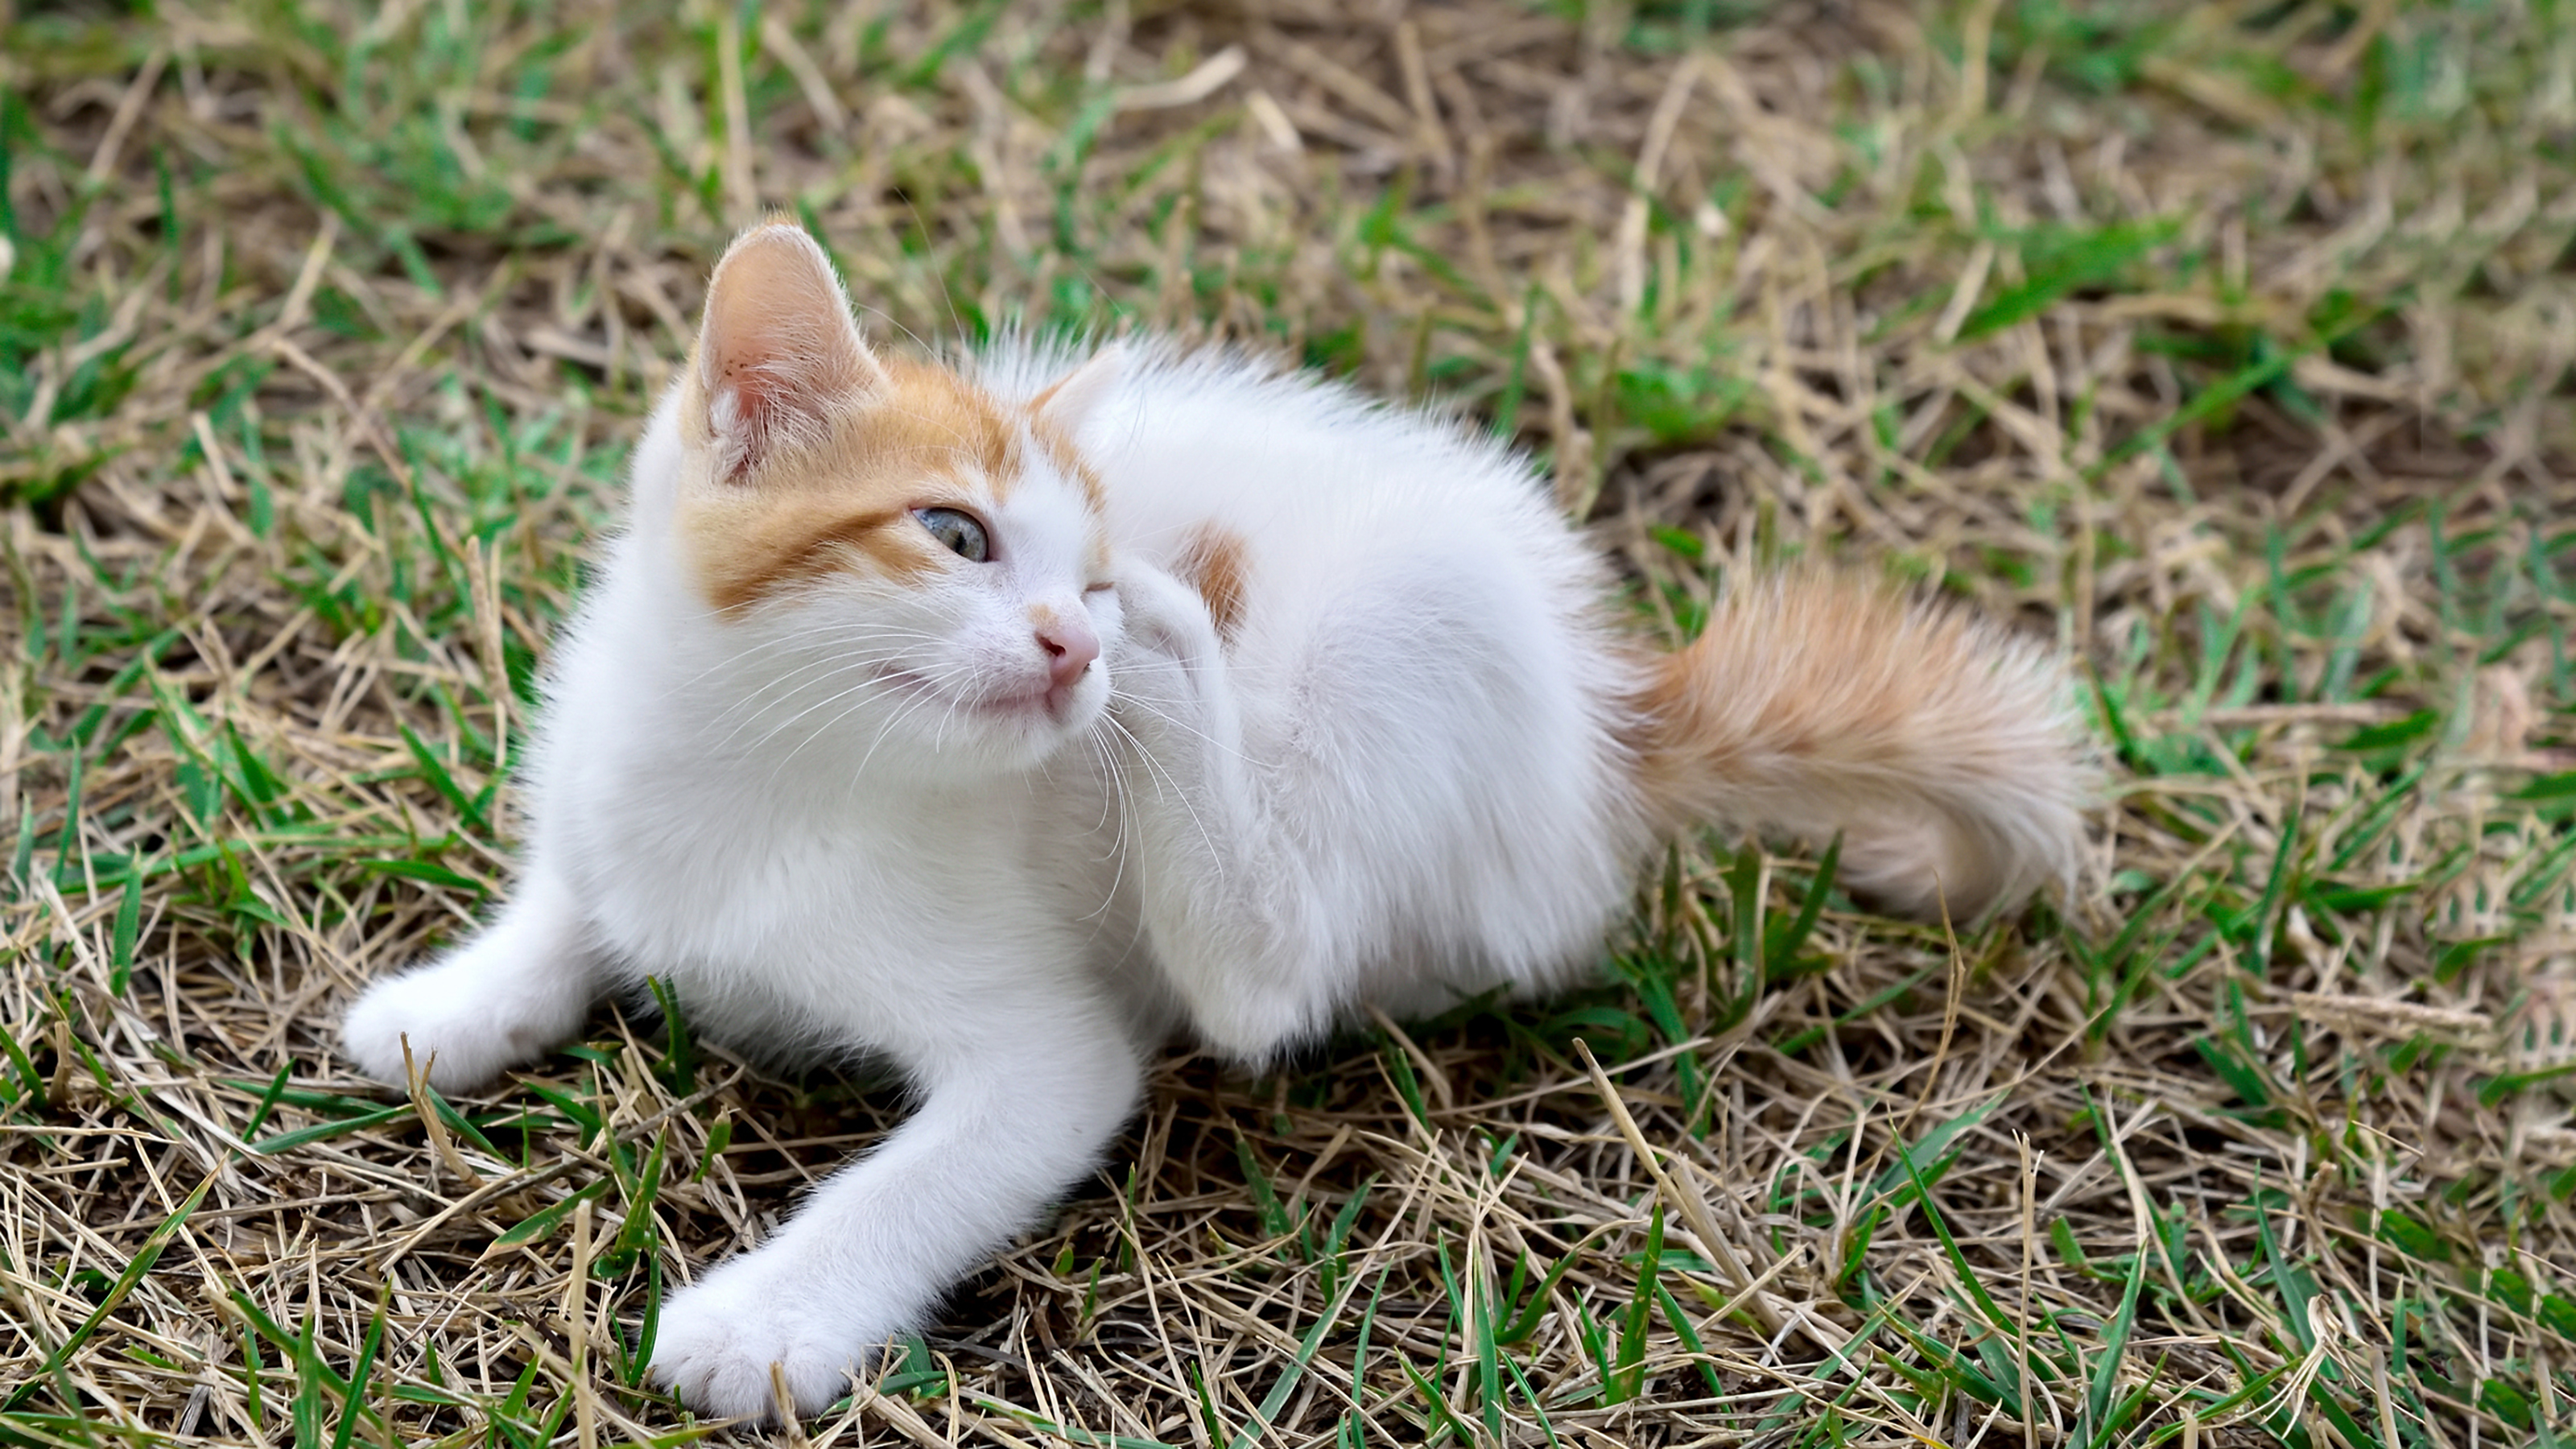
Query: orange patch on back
[[1213, 563], [926, 438]]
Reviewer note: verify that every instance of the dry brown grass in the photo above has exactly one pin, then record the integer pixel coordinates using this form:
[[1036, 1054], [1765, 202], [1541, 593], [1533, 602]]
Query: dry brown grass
[[2227, 343]]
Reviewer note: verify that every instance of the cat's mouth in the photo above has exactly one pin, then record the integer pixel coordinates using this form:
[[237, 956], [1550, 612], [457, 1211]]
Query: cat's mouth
[[1047, 701], [1041, 700]]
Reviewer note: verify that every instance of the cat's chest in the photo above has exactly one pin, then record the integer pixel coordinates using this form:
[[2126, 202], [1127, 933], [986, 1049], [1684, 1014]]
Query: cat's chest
[[679, 879]]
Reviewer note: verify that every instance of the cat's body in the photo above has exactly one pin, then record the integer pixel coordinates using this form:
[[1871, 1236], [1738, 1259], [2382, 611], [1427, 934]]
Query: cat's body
[[999, 724]]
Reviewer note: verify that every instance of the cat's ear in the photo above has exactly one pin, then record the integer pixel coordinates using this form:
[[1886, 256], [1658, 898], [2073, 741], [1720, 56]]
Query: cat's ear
[[778, 356], [1070, 400]]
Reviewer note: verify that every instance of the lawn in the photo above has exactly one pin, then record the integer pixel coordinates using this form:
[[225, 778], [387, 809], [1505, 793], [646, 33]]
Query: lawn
[[2225, 345]]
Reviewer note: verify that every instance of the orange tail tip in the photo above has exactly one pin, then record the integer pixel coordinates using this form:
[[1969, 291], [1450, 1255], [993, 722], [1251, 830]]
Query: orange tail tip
[[1943, 749]]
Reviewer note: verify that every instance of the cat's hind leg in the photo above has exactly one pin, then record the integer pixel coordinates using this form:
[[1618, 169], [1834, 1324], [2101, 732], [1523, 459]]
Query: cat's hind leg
[[1405, 799], [1228, 904], [518, 987]]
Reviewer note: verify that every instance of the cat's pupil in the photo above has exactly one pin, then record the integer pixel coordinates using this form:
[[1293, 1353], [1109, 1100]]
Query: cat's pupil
[[959, 532]]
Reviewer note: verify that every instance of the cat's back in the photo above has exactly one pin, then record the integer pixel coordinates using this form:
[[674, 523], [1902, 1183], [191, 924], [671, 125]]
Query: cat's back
[[1308, 474]]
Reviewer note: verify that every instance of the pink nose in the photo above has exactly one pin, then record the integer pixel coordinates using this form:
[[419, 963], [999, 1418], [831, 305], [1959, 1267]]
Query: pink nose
[[1070, 647]]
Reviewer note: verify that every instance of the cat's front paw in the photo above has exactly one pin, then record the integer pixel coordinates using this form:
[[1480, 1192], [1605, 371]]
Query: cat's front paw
[[718, 1339], [458, 1037], [505, 997]]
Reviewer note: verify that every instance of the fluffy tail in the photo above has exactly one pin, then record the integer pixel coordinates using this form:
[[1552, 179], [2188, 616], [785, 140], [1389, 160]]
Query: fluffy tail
[[1943, 749]]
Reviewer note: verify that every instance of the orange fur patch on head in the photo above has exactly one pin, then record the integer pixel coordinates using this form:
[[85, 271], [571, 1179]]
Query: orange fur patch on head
[[1059, 410], [926, 438], [1213, 563], [1068, 459]]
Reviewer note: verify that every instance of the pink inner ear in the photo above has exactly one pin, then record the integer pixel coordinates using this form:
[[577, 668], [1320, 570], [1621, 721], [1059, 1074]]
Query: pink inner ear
[[778, 355]]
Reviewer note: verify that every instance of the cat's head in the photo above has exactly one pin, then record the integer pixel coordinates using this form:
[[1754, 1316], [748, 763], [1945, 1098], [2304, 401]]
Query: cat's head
[[915, 569]]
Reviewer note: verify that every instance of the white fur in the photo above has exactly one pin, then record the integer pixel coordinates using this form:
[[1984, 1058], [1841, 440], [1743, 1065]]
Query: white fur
[[1401, 785], [1400, 782]]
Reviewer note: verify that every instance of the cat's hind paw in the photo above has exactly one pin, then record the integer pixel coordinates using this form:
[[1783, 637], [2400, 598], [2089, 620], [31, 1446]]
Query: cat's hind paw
[[1165, 620]]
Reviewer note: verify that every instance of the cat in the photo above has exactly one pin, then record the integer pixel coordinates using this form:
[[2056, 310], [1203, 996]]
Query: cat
[[1000, 720]]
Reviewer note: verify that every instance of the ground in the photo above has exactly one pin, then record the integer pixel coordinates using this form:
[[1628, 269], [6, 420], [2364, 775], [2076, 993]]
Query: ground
[[2224, 346]]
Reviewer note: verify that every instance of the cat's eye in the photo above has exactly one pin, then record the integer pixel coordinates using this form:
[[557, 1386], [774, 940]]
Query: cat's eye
[[957, 532]]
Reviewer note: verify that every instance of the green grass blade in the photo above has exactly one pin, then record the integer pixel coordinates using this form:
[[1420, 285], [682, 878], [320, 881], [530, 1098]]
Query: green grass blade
[[2115, 1343]]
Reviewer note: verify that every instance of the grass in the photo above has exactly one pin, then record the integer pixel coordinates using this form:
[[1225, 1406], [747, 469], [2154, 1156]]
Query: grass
[[2226, 344]]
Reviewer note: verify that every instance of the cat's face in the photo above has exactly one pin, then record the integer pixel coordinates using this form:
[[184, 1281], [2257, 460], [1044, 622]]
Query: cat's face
[[916, 571]]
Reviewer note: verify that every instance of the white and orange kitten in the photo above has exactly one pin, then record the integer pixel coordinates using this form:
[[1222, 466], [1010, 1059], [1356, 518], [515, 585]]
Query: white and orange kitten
[[999, 722]]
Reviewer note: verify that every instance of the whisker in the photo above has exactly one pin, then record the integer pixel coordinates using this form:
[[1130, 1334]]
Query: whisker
[[834, 633], [933, 678], [1145, 755], [1201, 735]]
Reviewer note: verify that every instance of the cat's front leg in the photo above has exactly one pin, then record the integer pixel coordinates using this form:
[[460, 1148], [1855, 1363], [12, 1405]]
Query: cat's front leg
[[1020, 1097], [514, 990]]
